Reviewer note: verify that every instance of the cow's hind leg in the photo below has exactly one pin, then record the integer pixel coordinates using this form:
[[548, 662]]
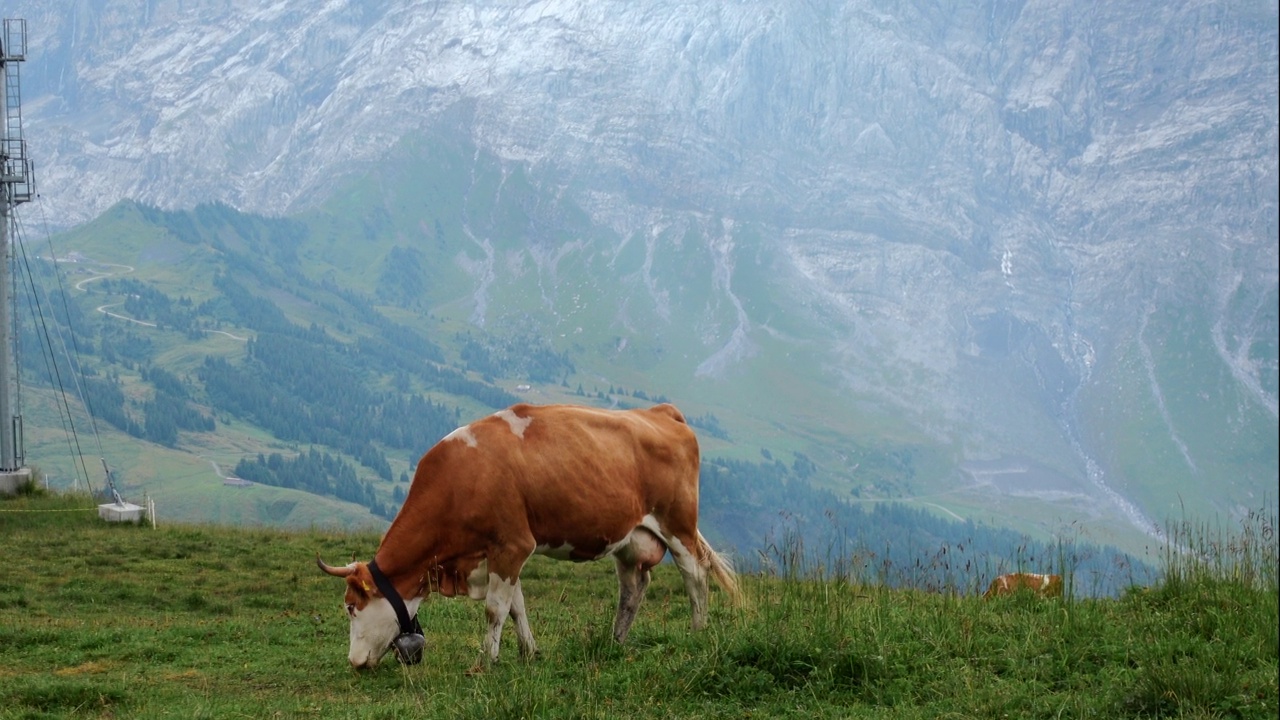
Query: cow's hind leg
[[694, 575], [633, 561]]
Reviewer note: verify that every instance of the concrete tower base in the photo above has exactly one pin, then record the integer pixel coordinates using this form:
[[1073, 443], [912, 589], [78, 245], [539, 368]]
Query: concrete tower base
[[120, 512], [12, 480]]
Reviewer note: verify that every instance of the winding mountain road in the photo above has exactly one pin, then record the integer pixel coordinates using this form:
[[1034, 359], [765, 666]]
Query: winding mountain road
[[104, 309]]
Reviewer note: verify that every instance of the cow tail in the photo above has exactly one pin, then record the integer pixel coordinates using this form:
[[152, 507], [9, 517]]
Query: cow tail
[[721, 569]]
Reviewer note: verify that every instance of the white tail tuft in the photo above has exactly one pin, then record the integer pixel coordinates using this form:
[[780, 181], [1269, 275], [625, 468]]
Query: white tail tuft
[[720, 568]]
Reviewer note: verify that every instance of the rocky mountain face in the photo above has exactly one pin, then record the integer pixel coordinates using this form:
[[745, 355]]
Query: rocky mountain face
[[1039, 235]]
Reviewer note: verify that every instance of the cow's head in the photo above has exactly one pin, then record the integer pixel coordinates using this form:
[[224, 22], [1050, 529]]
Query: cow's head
[[375, 629]]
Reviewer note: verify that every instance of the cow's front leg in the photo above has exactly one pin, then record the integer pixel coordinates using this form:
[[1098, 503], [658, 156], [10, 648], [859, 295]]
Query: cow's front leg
[[498, 600], [528, 648]]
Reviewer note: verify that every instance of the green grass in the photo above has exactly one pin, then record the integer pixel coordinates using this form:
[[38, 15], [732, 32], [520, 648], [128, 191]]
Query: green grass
[[111, 620]]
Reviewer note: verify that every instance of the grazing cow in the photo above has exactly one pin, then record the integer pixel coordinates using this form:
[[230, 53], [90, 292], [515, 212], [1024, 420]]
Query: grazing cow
[[574, 483], [1042, 585]]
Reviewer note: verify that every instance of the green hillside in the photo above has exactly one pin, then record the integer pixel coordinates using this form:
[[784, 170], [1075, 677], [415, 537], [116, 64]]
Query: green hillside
[[195, 620], [1158, 403], [447, 283], [216, 345]]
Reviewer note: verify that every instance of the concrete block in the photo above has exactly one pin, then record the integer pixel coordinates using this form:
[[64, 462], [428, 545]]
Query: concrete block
[[120, 512]]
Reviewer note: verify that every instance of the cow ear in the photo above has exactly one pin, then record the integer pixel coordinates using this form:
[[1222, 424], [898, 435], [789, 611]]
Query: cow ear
[[361, 587]]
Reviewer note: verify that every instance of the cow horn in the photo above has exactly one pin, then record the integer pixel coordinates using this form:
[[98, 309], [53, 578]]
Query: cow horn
[[335, 571]]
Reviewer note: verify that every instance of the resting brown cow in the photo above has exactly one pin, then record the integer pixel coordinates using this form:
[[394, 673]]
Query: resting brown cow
[[574, 483], [1043, 585]]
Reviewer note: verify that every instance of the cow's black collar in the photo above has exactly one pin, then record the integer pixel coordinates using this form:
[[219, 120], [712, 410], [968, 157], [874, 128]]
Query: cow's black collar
[[409, 643]]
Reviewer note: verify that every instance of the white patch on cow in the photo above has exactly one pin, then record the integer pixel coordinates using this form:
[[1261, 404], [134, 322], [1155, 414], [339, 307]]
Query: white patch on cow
[[559, 552], [373, 629], [652, 524], [478, 580], [1044, 582], [464, 434], [685, 559], [517, 423]]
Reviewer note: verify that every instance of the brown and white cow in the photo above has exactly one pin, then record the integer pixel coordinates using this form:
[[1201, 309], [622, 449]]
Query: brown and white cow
[[571, 482], [1043, 585]]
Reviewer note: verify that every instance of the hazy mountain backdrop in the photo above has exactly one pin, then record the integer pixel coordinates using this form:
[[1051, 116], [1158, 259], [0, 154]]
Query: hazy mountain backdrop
[[1014, 262]]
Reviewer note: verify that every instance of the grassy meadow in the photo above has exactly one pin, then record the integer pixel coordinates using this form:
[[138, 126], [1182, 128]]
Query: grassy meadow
[[103, 620]]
